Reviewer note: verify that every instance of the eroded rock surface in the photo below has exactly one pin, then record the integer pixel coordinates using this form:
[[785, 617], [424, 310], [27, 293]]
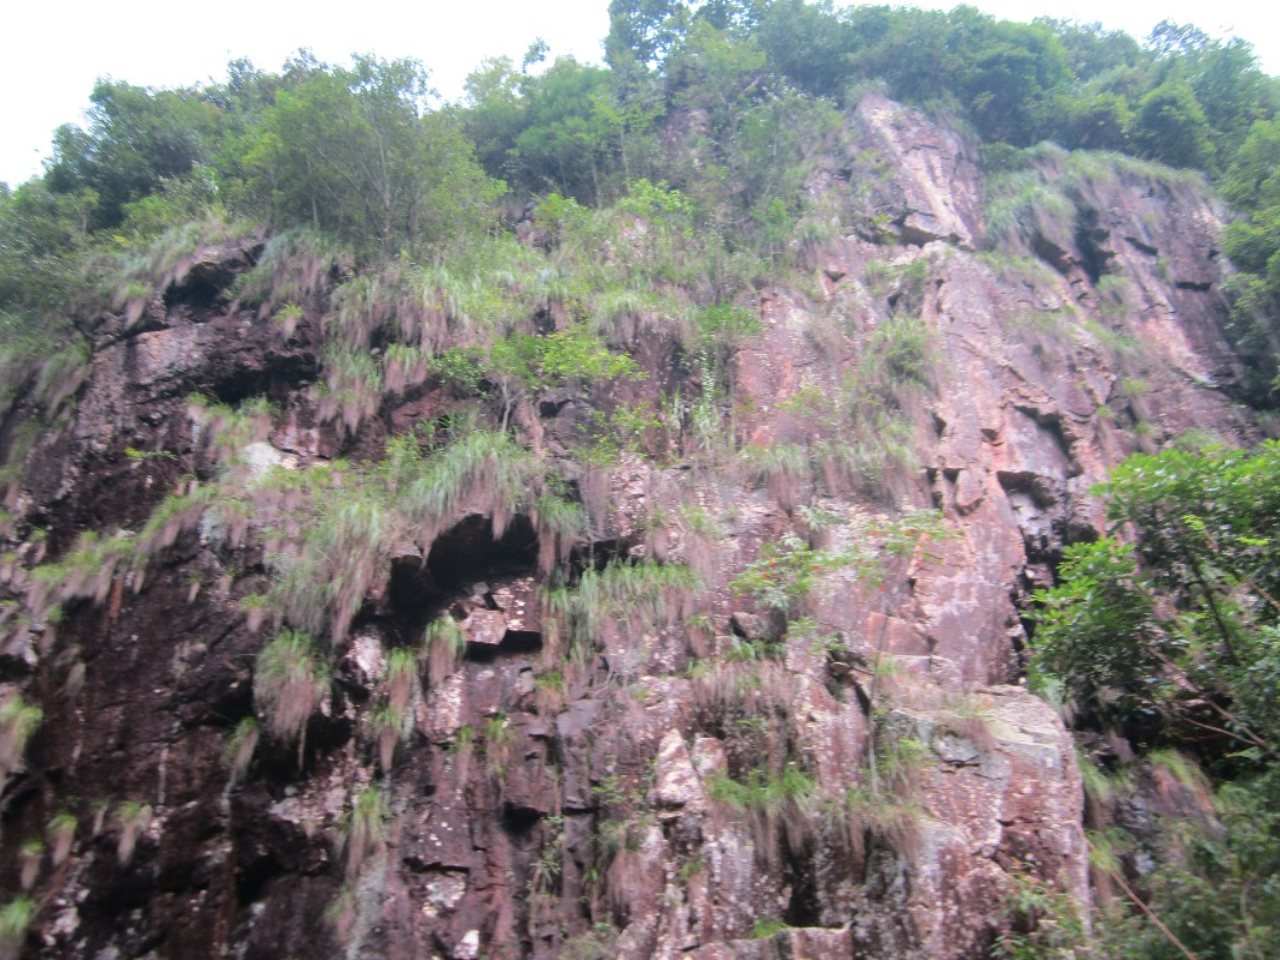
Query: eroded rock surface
[[610, 803]]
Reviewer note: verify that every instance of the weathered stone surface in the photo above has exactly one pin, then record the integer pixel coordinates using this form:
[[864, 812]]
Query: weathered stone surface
[[676, 783], [518, 600], [547, 788], [484, 628], [794, 944], [708, 757], [935, 188], [1008, 792]]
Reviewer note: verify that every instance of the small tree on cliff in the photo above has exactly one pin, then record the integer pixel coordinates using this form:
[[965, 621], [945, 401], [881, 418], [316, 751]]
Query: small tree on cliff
[[1175, 639], [355, 152]]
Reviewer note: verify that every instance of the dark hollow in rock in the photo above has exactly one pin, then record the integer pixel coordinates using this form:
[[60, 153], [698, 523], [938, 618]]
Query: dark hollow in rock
[[468, 552], [465, 567], [1090, 239]]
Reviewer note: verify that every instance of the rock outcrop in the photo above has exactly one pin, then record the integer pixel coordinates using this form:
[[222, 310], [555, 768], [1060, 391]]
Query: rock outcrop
[[863, 783]]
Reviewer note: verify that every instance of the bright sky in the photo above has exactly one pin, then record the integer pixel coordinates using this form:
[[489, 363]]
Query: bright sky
[[55, 51]]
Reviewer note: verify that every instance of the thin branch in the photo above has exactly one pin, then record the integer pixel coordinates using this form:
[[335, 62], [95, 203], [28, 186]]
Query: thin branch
[[1244, 734], [1159, 924]]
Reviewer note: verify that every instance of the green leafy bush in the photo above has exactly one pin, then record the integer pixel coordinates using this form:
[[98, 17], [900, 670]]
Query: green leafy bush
[[1173, 639]]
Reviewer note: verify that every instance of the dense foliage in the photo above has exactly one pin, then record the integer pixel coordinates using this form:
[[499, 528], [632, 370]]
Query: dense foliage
[[730, 103], [662, 189], [1171, 641]]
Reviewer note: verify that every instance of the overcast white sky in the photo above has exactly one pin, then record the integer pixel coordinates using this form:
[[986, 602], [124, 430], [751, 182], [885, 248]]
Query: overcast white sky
[[52, 52]]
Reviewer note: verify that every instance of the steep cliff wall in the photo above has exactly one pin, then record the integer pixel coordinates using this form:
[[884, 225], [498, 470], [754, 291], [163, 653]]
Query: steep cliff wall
[[681, 769]]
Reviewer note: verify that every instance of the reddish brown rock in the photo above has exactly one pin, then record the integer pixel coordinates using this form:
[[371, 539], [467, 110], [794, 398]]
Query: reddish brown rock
[[626, 797]]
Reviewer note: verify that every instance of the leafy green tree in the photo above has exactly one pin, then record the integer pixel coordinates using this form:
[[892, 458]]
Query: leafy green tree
[[1011, 72], [172, 203], [44, 239], [354, 152], [1171, 127], [41, 233], [718, 73], [1092, 51], [643, 32], [1208, 537], [1253, 181], [243, 97], [1252, 186], [496, 115], [1224, 77], [808, 44], [572, 136], [1233, 92], [522, 365], [751, 141], [1100, 598], [136, 138], [909, 50], [1176, 636], [1098, 122]]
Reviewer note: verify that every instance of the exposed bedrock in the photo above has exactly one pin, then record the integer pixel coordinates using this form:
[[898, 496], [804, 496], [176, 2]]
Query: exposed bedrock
[[696, 780]]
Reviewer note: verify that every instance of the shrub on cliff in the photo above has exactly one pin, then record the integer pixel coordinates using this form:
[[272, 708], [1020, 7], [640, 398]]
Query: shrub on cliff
[[19, 721], [353, 151], [1174, 638], [1252, 186], [1185, 620], [15, 918]]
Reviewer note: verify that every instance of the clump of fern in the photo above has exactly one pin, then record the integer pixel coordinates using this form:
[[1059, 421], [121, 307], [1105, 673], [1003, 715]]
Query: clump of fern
[[352, 390], [776, 804], [366, 827], [446, 643], [560, 524], [241, 746], [638, 595], [19, 721], [134, 819], [290, 680], [30, 856], [483, 469], [15, 920], [92, 566], [297, 267], [388, 725]]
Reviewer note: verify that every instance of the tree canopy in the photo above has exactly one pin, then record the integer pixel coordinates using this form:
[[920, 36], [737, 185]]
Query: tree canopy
[[534, 227], [733, 103], [1173, 640]]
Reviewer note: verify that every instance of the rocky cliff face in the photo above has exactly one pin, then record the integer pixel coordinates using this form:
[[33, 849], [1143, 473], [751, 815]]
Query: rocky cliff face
[[700, 779]]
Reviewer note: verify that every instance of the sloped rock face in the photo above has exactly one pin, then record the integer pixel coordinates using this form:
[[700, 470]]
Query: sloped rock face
[[607, 807], [935, 189]]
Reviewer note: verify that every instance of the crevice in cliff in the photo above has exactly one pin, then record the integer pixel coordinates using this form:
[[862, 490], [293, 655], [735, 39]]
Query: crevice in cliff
[[484, 582], [1050, 421], [469, 551], [804, 906], [1143, 247], [273, 381], [1051, 253], [200, 292], [1090, 240], [1042, 535], [513, 643]]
